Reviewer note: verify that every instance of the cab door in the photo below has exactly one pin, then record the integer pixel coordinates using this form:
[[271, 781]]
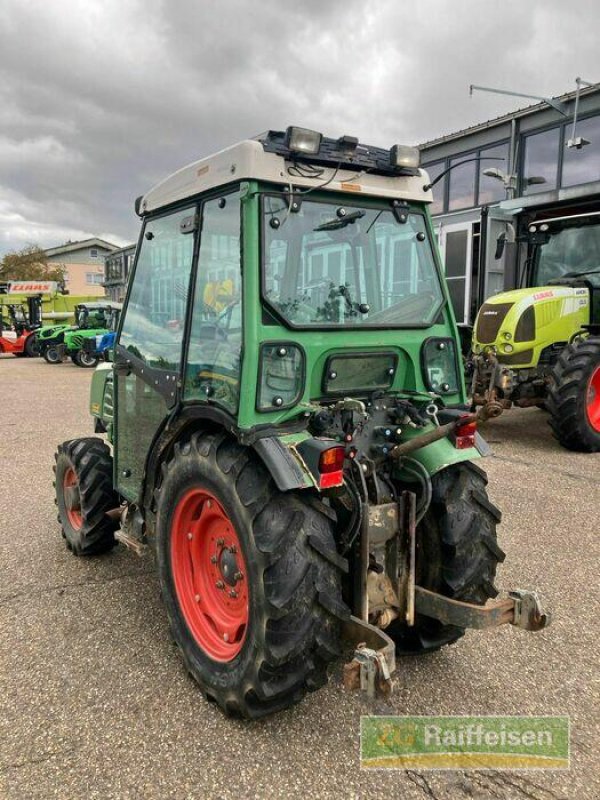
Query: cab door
[[148, 354], [456, 247]]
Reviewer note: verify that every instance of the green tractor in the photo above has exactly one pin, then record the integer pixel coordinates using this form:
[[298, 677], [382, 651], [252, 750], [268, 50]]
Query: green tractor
[[540, 346], [286, 424], [58, 341]]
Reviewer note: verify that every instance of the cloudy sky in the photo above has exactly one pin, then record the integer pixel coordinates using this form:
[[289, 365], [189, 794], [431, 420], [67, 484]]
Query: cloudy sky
[[99, 99]]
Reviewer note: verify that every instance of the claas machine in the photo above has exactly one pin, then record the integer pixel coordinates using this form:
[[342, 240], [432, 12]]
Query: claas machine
[[540, 345], [286, 428]]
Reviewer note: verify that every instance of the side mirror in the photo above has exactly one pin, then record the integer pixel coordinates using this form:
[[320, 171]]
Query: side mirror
[[500, 244]]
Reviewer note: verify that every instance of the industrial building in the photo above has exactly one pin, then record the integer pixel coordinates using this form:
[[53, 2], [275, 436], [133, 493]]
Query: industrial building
[[530, 168]]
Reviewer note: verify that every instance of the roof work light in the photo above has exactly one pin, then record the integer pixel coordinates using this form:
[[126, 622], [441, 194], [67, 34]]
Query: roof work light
[[403, 156], [303, 140]]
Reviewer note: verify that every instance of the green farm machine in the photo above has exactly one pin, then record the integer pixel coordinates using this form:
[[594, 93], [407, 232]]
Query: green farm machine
[[540, 345], [286, 425], [59, 341]]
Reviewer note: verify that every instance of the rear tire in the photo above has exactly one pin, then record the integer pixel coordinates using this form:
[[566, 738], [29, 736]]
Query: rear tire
[[574, 396], [290, 628], [84, 493], [32, 347], [457, 554]]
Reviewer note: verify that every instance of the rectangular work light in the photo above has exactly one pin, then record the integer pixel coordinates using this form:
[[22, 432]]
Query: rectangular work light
[[403, 156], [303, 140]]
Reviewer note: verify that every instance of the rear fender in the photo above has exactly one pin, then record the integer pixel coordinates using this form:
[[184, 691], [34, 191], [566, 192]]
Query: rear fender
[[441, 454]]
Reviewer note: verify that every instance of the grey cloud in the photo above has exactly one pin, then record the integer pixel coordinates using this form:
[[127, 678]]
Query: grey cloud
[[100, 99]]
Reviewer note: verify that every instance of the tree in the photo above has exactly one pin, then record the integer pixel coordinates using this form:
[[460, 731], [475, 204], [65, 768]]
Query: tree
[[30, 263]]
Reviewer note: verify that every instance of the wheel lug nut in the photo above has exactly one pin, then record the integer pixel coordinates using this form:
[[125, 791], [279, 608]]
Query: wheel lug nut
[[209, 503], [213, 559], [233, 549], [220, 542], [225, 637], [197, 598], [220, 585], [190, 536], [233, 593], [238, 576]]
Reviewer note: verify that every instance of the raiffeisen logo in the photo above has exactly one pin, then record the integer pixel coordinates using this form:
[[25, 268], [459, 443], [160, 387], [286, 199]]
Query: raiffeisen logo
[[465, 742]]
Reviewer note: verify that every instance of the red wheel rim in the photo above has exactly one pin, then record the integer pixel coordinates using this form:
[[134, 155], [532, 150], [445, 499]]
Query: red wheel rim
[[210, 575], [72, 498], [593, 400]]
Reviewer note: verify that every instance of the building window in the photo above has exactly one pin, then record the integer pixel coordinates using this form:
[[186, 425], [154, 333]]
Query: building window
[[439, 190], [540, 164], [94, 278], [93, 252], [492, 190], [462, 183], [582, 166]]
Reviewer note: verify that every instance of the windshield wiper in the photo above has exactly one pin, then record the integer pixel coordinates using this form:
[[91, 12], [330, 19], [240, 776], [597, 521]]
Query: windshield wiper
[[574, 274], [340, 222]]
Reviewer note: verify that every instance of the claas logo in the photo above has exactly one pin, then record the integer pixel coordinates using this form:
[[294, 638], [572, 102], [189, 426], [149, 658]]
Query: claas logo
[[31, 286]]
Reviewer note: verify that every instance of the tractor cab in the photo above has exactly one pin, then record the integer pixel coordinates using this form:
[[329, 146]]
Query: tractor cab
[[92, 315]]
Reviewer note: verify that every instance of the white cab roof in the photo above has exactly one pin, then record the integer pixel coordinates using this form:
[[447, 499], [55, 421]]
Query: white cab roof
[[248, 160]]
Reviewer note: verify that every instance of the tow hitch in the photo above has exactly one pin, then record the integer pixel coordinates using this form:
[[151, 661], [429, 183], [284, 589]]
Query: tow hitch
[[374, 662], [374, 659], [521, 608]]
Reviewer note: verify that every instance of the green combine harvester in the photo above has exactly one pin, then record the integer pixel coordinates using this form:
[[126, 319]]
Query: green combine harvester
[[286, 424], [540, 346]]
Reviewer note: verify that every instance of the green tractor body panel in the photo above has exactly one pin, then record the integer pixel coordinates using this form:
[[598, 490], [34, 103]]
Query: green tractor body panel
[[519, 325], [50, 335], [101, 398], [74, 339]]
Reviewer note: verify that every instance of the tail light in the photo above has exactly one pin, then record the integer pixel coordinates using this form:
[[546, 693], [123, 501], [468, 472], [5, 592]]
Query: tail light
[[464, 434], [331, 467]]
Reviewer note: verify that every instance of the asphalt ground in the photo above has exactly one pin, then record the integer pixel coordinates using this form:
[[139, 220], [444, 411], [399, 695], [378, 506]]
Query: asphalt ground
[[95, 702]]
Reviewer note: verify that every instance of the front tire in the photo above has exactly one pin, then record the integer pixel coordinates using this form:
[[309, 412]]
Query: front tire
[[84, 495], [250, 578], [574, 396], [457, 554], [52, 355], [84, 359]]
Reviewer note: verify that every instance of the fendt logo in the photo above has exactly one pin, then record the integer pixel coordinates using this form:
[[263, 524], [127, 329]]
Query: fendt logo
[[490, 313]]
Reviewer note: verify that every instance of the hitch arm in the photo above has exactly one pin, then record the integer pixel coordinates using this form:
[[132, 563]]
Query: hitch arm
[[521, 608]]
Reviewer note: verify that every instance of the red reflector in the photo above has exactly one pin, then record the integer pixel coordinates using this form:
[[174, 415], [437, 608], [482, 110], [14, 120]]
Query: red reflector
[[332, 460], [465, 435], [329, 479]]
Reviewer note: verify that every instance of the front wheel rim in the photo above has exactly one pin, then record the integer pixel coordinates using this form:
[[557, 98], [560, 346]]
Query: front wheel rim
[[210, 575], [86, 359], [593, 400]]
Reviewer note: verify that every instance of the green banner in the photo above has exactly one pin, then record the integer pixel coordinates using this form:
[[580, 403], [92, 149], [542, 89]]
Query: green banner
[[464, 742]]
